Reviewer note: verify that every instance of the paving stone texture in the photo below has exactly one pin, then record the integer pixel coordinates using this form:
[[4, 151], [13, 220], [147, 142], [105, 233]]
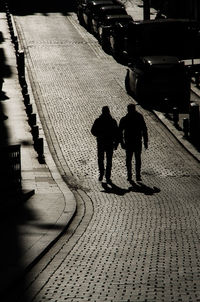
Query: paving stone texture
[[140, 242]]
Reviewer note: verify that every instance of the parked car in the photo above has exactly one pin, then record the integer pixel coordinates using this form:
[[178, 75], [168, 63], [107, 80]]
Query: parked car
[[99, 15], [167, 37], [89, 10], [159, 80], [106, 27], [117, 37], [81, 5]]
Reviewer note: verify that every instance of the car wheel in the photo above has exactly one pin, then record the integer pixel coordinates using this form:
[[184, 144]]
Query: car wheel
[[184, 106], [89, 26], [105, 46], [118, 56], [127, 83], [80, 19], [140, 92]]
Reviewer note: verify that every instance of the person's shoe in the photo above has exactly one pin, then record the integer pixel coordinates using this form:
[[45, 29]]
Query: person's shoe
[[138, 178], [100, 177], [109, 181], [129, 178]]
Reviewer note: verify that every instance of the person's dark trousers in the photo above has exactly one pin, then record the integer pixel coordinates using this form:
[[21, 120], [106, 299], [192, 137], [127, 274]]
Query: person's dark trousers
[[101, 151], [129, 156]]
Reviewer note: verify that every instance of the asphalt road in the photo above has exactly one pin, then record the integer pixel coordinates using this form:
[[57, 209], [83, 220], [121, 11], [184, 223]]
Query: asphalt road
[[127, 243]]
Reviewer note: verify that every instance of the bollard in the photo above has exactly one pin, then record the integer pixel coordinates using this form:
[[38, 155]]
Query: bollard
[[29, 109], [186, 127], [9, 20], [10, 24], [20, 63], [12, 33], [16, 44], [194, 127], [32, 119], [39, 147], [24, 89], [175, 115], [10, 28], [22, 80], [14, 39], [26, 99], [35, 132]]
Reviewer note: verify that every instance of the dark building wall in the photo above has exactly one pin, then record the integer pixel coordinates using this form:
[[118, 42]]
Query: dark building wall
[[183, 9], [189, 9], [25, 6]]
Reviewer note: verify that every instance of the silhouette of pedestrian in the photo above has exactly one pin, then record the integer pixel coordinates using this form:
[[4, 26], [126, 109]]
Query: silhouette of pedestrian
[[132, 129], [105, 129]]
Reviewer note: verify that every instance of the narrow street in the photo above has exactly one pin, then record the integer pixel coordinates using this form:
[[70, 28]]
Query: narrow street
[[127, 243]]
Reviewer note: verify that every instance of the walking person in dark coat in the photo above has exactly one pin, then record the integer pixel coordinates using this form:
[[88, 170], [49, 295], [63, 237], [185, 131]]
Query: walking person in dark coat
[[105, 129], [132, 129]]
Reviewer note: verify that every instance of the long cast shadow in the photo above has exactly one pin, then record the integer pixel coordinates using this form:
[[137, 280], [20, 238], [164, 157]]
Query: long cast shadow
[[5, 70], [113, 189], [140, 187], [135, 187]]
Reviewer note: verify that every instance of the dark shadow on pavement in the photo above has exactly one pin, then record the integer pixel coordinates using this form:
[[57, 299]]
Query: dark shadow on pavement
[[140, 187], [24, 7], [13, 213], [3, 96], [113, 189], [5, 69], [162, 106], [50, 226], [26, 142]]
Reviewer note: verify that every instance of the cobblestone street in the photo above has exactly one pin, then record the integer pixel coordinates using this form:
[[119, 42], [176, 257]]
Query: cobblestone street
[[134, 243]]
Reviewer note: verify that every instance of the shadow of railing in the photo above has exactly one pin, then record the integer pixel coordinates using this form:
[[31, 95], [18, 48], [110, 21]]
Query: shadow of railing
[[10, 247], [12, 207], [13, 212]]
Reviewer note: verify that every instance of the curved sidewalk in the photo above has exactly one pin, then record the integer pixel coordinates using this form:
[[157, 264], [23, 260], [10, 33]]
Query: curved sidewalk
[[46, 214]]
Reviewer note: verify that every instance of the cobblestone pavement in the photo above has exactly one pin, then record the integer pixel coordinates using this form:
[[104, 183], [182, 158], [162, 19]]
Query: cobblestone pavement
[[136, 243]]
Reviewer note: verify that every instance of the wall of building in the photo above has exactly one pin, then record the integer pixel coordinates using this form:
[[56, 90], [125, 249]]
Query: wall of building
[[189, 9]]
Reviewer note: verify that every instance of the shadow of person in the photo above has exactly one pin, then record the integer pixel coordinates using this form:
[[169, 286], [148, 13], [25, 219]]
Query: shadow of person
[[113, 189], [142, 188]]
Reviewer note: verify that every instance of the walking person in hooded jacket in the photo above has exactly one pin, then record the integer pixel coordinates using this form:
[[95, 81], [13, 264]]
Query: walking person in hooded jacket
[[105, 129], [132, 129]]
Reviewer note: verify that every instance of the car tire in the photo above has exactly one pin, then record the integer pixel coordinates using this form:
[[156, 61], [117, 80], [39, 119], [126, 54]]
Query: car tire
[[80, 19], [105, 46], [127, 84]]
